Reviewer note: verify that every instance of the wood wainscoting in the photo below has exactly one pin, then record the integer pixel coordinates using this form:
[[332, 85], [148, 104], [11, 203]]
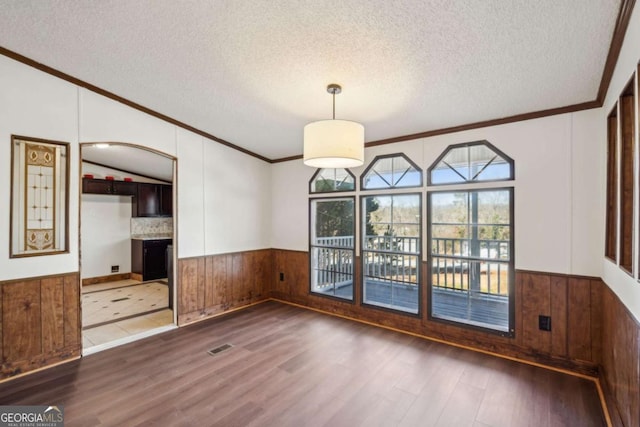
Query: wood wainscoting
[[574, 305], [572, 302], [40, 323], [619, 372], [210, 285]]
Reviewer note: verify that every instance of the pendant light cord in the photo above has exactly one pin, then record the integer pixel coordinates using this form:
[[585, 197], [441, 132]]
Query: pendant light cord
[[334, 89], [334, 105]]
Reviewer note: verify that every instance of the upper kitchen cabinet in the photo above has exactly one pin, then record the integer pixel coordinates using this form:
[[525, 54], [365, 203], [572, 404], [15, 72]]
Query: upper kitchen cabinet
[[104, 186], [166, 200], [153, 200]]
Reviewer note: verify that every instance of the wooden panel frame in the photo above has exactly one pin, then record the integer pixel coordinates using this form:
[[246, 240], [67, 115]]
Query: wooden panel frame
[[19, 230], [627, 181], [611, 247]]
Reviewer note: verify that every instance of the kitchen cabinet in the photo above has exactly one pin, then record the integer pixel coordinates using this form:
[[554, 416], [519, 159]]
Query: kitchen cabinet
[[147, 202], [153, 200], [166, 200], [149, 258], [149, 199], [110, 187]]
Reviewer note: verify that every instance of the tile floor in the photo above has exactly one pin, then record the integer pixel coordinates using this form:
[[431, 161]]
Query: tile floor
[[92, 311], [106, 305]]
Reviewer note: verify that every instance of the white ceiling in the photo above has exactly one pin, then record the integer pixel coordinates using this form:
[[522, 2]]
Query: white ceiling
[[255, 72], [130, 159]]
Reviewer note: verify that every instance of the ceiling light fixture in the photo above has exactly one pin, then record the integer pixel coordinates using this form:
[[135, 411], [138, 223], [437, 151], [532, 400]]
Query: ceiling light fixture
[[333, 143]]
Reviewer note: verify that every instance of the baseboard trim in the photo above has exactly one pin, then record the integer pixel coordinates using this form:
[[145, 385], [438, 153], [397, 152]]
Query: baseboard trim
[[42, 368], [104, 279], [222, 313], [126, 340]]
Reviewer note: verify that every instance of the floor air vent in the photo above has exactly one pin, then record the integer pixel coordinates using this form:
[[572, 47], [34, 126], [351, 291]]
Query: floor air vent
[[220, 349]]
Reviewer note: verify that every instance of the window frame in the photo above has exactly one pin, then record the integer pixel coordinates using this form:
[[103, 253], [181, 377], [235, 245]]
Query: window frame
[[512, 168], [353, 250], [510, 333], [612, 178], [626, 179], [389, 156], [317, 172], [419, 270]]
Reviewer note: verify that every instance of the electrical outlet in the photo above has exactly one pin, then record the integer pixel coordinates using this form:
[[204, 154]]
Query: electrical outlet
[[281, 276], [544, 323], [115, 268]]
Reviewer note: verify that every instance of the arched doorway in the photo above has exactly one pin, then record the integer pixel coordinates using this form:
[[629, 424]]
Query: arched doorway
[[127, 250]]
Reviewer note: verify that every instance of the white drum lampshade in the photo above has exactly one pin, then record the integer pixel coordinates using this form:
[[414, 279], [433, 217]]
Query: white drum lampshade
[[333, 144]]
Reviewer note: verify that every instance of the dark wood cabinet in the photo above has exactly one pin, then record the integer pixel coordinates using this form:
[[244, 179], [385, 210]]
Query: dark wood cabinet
[[166, 200], [149, 258], [125, 188], [96, 186], [104, 186], [149, 199], [153, 200]]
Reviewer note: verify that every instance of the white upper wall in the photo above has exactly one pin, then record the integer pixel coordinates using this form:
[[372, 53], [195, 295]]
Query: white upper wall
[[191, 195], [626, 287], [237, 200], [235, 187], [103, 119], [588, 149], [36, 104]]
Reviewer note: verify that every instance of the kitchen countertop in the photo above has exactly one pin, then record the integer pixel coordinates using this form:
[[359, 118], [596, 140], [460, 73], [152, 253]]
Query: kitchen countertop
[[151, 237]]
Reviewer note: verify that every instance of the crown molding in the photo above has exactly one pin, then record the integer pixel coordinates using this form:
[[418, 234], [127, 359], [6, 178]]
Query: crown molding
[[619, 32]]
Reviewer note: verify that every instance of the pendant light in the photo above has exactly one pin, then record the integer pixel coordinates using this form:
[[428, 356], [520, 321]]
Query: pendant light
[[333, 143]]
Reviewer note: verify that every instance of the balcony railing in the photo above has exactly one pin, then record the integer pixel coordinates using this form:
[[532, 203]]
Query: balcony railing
[[392, 244], [331, 267], [492, 249], [480, 265], [335, 242], [395, 259]]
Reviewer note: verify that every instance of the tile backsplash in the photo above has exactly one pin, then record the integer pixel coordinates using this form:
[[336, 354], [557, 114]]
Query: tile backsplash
[[142, 226]]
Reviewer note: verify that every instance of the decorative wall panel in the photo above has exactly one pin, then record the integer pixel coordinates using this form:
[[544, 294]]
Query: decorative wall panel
[[39, 196]]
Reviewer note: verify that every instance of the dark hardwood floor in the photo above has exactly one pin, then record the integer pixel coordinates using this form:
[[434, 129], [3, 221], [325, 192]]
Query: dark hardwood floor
[[294, 367]]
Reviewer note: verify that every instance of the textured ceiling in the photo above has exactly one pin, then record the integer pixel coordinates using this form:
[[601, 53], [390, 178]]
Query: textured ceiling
[[130, 159], [254, 72]]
